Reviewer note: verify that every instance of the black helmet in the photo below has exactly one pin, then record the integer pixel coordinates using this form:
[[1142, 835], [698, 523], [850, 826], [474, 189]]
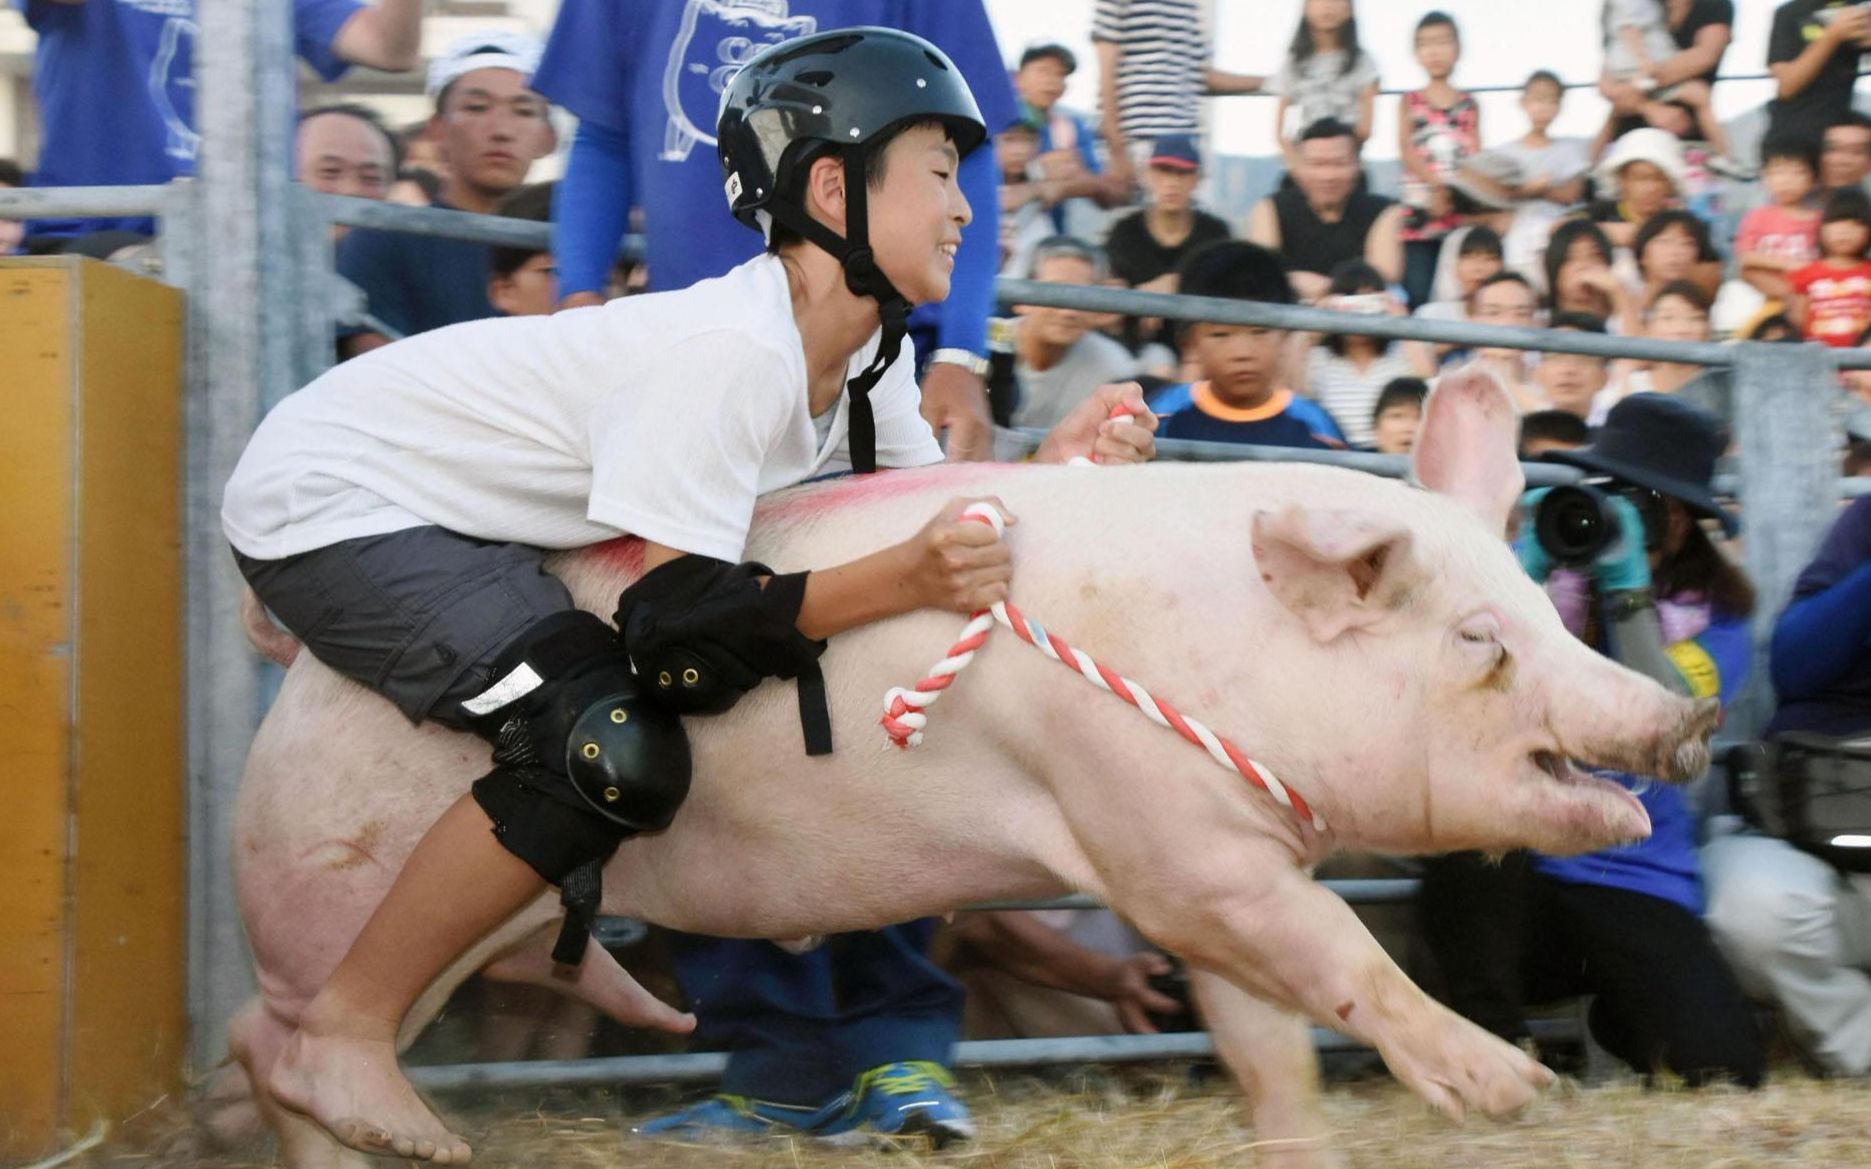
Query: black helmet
[[844, 90]]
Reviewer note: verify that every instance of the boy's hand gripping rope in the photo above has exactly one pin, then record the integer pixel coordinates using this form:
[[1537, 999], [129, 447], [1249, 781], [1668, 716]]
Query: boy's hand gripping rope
[[905, 708]]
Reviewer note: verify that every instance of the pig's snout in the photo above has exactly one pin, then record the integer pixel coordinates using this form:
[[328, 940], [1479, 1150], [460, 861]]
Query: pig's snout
[[1676, 753]]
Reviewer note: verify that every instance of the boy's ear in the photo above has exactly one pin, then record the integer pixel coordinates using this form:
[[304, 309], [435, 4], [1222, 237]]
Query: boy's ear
[[500, 293], [825, 190]]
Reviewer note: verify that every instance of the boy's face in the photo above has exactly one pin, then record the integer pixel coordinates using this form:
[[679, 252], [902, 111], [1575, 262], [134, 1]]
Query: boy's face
[[1014, 150], [1787, 181], [1571, 381], [1041, 82], [1395, 428], [490, 128], [1240, 362], [531, 290], [1058, 326], [918, 212], [1170, 189], [1472, 269], [1541, 101], [1437, 50]]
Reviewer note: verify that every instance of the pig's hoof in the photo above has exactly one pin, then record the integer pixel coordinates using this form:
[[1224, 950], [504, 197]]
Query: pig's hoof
[[354, 1089], [1470, 1068]]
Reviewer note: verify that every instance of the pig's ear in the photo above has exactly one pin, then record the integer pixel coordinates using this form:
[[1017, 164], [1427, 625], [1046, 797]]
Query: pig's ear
[[1336, 570], [1465, 448]]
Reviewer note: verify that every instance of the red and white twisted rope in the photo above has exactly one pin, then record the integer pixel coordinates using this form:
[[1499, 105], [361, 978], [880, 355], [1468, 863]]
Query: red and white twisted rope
[[905, 708]]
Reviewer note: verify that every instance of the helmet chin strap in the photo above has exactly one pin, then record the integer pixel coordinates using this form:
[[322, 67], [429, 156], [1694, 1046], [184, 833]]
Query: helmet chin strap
[[864, 278]]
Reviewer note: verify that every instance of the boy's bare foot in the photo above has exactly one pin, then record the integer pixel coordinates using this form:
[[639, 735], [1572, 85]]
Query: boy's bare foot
[[353, 1087]]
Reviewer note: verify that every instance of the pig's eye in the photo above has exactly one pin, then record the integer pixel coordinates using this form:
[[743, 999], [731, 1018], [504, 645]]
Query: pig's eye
[[1477, 636]]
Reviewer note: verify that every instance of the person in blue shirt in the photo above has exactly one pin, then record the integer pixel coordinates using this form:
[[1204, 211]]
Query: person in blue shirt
[[1623, 924], [115, 83], [1239, 396], [644, 79], [1793, 924], [1067, 156], [490, 127]]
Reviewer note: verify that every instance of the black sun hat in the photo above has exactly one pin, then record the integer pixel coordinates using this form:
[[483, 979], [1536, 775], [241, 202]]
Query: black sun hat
[[1665, 444]]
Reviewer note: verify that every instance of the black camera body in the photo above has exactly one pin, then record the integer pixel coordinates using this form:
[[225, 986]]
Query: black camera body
[[1575, 523]]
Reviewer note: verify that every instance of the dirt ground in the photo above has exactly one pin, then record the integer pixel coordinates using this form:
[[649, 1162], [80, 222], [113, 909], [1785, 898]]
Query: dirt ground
[[1155, 1119]]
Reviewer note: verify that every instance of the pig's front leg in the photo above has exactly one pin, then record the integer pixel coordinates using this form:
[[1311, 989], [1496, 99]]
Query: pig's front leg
[[1294, 943], [1269, 1050]]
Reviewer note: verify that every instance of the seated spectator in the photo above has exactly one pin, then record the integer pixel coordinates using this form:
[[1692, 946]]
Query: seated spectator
[[1679, 311], [345, 149], [1792, 924], [1845, 152], [1025, 215], [1572, 381], [1059, 359], [1774, 328], [1147, 246], [490, 127], [1653, 76], [1832, 295], [1699, 32], [12, 231], [1397, 415], [1324, 220], [1672, 247], [1477, 257], [1781, 236], [524, 282], [1325, 75], [116, 91], [1238, 395], [1625, 924], [1437, 127], [1074, 185], [1345, 372], [1643, 175], [1041, 974], [1813, 53], [1551, 430], [1507, 299], [1579, 276], [1532, 180]]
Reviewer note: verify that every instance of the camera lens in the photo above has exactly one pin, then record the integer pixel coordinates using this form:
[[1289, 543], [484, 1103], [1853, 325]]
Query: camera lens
[[1574, 524]]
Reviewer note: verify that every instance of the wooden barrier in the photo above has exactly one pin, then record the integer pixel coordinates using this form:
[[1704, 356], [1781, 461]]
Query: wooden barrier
[[92, 860]]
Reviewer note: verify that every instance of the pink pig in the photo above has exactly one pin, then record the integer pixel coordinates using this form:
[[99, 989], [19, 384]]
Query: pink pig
[[1374, 645]]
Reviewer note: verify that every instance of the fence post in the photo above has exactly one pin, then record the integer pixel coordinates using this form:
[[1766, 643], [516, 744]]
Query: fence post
[[241, 300], [1789, 469]]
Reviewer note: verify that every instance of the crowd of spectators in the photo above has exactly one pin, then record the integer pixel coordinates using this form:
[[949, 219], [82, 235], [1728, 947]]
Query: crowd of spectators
[[1656, 228]]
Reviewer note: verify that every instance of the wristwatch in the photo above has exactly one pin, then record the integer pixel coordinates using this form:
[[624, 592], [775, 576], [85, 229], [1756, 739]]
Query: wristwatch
[[974, 363], [1626, 603]]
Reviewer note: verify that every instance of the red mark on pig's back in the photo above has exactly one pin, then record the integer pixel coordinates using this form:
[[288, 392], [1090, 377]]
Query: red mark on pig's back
[[833, 495]]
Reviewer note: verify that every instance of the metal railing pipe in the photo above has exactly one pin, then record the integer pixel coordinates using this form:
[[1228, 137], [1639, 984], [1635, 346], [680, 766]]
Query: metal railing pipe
[[83, 202]]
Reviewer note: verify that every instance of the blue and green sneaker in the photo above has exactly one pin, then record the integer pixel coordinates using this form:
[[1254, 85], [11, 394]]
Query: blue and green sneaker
[[911, 1099]]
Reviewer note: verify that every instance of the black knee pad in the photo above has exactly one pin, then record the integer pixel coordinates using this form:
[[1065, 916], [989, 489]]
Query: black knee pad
[[552, 834]]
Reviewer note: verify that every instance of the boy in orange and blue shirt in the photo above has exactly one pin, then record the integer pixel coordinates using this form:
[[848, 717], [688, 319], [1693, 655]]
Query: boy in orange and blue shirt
[[1238, 397]]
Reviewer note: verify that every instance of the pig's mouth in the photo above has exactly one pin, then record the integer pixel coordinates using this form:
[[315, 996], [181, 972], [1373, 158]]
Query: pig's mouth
[[1596, 812]]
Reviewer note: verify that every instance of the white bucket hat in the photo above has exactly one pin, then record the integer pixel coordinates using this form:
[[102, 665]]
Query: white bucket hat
[[494, 48], [1660, 148]]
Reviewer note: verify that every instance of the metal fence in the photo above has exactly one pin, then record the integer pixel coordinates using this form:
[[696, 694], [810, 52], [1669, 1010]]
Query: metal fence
[[252, 253]]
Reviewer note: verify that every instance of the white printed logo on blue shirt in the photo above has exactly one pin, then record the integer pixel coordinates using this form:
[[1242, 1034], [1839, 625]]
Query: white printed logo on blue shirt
[[717, 37]]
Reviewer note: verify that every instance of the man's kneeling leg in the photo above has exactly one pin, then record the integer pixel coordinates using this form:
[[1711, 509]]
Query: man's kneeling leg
[[583, 759]]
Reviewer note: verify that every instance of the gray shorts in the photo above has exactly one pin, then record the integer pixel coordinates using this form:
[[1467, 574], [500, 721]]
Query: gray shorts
[[418, 615]]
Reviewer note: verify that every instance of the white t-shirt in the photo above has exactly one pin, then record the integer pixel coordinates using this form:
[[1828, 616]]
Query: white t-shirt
[[664, 416]]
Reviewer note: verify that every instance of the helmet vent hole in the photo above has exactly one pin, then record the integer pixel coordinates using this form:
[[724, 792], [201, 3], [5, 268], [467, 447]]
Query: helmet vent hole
[[815, 77], [938, 62]]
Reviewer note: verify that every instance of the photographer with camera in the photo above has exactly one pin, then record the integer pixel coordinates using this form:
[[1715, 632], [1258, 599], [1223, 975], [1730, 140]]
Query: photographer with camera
[[1632, 571], [1795, 918]]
